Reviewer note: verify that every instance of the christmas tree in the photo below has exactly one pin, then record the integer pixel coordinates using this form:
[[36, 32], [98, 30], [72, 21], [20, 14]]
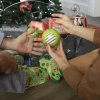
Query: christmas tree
[[19, 13]]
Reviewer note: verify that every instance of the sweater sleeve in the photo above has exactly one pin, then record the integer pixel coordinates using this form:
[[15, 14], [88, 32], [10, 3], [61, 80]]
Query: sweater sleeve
[[1, 36], [89, 87], [97, 37]]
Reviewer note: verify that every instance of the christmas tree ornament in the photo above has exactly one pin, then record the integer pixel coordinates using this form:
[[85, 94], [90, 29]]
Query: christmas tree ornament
[[34, 60], [19, 59], [25, 5], [51, 36]]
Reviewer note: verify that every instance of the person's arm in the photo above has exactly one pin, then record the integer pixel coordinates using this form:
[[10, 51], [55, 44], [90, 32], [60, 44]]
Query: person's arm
[[83, 32], [86, 33], [84, 62], [71, 74], [89, 87], [66, 23], [7, 61], [24, 44], [97, 37], [74, 69], [86, 85], [83, 82], [8, 43]]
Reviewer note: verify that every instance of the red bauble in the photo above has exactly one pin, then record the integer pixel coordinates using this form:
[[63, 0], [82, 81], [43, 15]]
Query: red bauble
[[25, 5]]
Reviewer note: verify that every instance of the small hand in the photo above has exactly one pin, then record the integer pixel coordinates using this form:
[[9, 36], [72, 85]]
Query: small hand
[[25, 44], [58, 55], [7, 63]]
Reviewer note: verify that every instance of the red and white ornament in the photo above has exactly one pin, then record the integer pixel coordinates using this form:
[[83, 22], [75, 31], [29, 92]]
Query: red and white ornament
[[25, 5]]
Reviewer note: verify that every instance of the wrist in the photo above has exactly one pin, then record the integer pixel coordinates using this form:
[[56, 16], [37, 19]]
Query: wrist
[[8, 43], [65, 65], [72, 29]]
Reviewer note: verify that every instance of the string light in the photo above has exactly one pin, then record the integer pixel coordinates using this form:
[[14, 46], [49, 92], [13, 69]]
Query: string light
[[38, 12], [51, 4]]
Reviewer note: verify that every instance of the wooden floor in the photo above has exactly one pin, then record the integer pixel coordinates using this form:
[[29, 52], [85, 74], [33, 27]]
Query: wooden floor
[[47, 91]]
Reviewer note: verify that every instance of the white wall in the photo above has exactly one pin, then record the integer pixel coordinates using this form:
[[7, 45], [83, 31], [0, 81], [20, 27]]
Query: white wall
[[90, 20], [90, 7]]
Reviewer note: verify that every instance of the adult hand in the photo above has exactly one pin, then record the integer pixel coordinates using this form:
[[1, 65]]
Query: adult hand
[[67, 24], [64, 22], [7, 63], [29, 45], [58, 56]]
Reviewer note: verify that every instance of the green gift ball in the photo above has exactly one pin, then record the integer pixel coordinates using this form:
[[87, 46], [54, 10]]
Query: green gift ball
[[51, 36]]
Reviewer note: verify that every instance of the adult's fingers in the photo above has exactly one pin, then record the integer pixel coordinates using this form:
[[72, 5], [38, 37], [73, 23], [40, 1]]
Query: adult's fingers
[[61, 27], [60, 45], [29, 32], [39, 49], [38, 44], [59, 21], [62, 16], [62, 22], [50, 50], [37, 39]]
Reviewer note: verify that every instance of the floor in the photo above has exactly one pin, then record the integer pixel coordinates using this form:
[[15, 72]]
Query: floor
[[47, 91]]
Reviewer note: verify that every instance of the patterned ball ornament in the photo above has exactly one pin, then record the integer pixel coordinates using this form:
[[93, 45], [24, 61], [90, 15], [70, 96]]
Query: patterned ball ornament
[[51, 36]]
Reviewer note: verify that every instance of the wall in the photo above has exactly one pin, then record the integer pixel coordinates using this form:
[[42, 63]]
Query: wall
[[90, 7]]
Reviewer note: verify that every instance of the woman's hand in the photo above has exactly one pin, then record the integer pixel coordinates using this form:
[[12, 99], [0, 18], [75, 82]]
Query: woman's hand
[[66, 23], [58, 56], [63, 22], [7, 63]]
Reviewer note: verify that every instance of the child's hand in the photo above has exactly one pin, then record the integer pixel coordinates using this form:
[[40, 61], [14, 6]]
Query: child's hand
[[7, 63]]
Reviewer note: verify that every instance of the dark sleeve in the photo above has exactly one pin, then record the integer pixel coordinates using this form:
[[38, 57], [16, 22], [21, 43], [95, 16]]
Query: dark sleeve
[[89, 87], [97, 37]]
